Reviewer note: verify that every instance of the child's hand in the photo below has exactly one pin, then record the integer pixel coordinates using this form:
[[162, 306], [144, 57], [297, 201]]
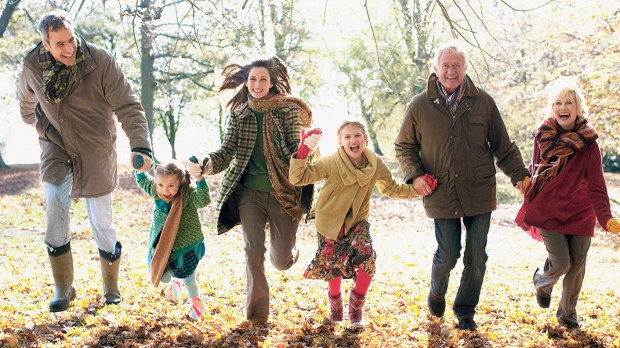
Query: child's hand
[[431, 181], [613, 226], [309, 142], [196, 170], [425, 185], [140, 162]]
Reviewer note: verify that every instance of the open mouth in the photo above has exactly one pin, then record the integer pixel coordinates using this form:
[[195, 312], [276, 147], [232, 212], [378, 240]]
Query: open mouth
[[564, 116], [355, 148]]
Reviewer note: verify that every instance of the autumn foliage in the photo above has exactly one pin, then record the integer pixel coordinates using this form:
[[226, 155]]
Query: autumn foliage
[[395, 310]]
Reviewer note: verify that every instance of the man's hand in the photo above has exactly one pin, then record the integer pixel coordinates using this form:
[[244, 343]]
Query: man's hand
[[425, 185], [522, 185], [146, 162]]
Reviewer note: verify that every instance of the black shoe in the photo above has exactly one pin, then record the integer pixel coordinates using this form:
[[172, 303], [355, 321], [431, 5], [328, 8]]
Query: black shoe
[[467, 323], [542, 300], [436, 305]]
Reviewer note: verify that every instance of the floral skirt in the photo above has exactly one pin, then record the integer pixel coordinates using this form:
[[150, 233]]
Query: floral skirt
[[343, 257]]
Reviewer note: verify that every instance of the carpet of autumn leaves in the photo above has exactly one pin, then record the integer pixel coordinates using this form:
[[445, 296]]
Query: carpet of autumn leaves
[[395, 312]]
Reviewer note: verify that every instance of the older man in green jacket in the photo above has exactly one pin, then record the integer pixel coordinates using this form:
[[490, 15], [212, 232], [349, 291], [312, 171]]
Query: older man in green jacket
[[71, 90], [454, 131]]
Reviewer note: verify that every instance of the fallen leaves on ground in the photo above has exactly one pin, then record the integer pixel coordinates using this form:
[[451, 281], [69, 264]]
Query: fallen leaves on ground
[[395, 310]]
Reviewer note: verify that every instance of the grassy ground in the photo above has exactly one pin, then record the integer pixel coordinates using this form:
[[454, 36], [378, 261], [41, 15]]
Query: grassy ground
[[395, 311]]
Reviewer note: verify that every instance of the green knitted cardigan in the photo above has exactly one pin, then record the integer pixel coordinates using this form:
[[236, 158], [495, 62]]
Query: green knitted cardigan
[[190, 232]]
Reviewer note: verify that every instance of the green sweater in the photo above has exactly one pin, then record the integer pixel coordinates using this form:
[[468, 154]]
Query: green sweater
[[190, 232]]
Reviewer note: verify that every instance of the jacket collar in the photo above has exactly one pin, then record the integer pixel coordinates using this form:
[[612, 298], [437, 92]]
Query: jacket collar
[[244, 111], [432, 93], [89, 63], [351, 175]]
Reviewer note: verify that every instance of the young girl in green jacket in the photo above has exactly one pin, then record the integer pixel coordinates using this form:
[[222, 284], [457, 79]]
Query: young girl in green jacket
[[342, 212], [175, 239]]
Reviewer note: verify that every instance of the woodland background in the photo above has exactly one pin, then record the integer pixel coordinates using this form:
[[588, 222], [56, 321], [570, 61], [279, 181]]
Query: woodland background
[[353, 59], [349, 59]]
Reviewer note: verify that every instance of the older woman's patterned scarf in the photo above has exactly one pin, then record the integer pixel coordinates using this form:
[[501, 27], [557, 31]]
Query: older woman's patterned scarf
[[56, 75], [556, 146], [286, 194], [453, 99]]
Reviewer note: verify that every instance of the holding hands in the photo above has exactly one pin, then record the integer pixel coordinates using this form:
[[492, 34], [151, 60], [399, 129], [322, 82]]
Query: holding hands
[[196, 170], [522, 185], [425, 185], [141, 162], [309, 142]]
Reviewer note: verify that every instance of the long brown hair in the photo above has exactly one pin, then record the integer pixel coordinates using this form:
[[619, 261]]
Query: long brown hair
[[236, 75]]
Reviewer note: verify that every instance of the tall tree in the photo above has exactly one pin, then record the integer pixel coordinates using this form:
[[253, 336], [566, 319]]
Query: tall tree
[[387, 64], [7, 12]]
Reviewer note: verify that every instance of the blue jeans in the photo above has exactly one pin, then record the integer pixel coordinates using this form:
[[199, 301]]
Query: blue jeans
[[57, 203], [448, 235]]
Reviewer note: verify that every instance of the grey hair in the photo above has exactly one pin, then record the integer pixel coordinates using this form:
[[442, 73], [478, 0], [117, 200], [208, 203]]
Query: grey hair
[[54, 20], [453, 46]]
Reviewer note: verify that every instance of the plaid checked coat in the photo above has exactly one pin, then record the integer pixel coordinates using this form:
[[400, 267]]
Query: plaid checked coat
[[236, 151]]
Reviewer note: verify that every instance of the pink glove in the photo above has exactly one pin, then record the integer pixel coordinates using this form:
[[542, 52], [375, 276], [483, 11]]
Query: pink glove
[[431, 181], [304, 151]]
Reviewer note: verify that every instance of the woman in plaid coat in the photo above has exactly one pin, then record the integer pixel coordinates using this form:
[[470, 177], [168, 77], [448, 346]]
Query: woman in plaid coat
[[262, 134]]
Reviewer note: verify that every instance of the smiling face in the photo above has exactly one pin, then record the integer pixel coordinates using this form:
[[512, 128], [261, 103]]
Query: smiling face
[[353, 140], [167, 186], [62, 45], [450, 70], [259, 82], [565, 110]]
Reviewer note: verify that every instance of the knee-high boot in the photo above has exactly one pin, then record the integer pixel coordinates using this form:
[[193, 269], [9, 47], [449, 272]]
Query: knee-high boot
[[109, 271], [61, 261]]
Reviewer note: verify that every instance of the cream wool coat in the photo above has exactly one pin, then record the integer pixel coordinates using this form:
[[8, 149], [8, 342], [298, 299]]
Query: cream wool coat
[[346, 188]]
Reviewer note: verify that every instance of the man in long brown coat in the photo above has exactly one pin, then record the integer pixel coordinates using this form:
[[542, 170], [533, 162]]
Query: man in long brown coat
[[71, 90]]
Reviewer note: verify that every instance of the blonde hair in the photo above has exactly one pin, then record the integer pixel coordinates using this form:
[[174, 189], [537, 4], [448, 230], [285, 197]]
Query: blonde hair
[[353, 124], [567, 86]]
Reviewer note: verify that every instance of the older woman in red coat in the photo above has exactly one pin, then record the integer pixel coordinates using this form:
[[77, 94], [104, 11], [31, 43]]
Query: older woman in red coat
[[565, 197]]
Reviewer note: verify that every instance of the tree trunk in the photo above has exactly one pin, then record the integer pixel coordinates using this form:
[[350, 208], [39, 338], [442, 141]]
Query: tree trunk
[[370, 125], [2, 163], [11, 6], [146, 67]]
